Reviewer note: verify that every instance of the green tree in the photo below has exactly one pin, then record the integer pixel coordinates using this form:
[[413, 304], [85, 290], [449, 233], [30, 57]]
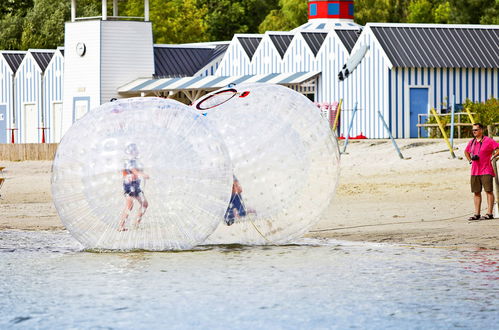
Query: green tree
[[226, 17], [491, 15], [15, 7], [11, 29], [289, 15], [420, 11], [174, 21], [44, 24], [372, 11], [471, 11], [442, 13]]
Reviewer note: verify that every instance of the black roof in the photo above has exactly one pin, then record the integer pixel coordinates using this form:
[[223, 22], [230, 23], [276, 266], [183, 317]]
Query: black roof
[[14, 59], [314, 40], [281, 42], [181, 61], [250, 44], [440, 47], [348, 37], [42, 58]]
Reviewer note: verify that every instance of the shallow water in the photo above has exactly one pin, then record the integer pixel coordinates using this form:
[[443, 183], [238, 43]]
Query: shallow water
[[47, 282]]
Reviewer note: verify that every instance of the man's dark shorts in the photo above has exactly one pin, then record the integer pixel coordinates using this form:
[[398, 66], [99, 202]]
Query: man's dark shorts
[[479, 181]]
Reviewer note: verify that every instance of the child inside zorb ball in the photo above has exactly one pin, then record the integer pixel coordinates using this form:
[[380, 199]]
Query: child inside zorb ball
[[106, 158], [283, 155], [132, 174]]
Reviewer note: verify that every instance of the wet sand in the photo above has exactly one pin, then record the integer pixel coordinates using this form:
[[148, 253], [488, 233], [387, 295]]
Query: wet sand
[[424, 200]]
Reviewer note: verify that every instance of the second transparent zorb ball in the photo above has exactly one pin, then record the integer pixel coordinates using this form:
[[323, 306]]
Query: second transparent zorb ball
[[285, 162], [141, 173]]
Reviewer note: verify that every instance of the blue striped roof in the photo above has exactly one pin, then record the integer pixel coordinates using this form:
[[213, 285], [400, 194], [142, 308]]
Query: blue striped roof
[[212, 82]]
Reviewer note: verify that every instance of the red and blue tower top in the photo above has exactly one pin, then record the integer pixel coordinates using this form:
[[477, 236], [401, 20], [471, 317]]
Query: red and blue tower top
[[337, 9]]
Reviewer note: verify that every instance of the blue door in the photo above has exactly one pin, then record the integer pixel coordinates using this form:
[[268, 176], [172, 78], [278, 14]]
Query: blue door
[[418, 105], [3, 123]]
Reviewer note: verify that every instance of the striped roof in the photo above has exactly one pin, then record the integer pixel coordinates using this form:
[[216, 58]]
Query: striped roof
[[13, 58], [250, 44], [439, 46], [212, 82], [348, 37], [183, 61], [314, 40], [281, 42], [42, 57]]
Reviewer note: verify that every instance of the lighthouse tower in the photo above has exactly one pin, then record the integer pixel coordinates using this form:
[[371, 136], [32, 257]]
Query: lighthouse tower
[[325, 15], [324, 9], [101, 54]]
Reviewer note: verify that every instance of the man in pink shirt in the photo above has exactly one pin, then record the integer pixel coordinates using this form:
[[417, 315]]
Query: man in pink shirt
[[479, 153]]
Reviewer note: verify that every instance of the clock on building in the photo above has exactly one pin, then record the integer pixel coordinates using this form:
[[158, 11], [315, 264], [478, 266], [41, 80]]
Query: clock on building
[[81, 48]]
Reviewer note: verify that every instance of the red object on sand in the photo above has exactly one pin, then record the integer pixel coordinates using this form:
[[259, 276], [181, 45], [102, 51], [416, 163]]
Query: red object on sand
[[43, 133], [12, 136]]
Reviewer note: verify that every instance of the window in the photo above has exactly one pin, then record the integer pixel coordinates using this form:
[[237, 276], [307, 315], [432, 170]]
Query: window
[[333, 9], [313, 9], [350, 9]]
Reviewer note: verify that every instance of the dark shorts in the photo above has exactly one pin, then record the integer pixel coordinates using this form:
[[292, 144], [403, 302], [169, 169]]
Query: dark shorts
[[132, 189], [479, 181], [236, 202]]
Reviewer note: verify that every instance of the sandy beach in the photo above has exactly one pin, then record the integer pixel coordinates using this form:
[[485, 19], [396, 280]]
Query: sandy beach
[[423, 200]]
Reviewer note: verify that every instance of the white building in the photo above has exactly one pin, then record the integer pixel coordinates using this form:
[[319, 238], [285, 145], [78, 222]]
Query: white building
[[30, 119], [9, 62], [101, 54]]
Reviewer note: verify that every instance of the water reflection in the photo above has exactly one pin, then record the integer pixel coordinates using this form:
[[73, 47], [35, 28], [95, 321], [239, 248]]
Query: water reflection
[[48, 281]]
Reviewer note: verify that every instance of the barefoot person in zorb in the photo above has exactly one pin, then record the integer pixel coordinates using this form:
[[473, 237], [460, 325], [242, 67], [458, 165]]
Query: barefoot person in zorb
[[479, 152], [132, 174]]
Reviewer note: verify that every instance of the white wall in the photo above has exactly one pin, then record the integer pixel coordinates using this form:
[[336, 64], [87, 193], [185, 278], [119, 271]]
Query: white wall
[[126, 54], [81, 73]]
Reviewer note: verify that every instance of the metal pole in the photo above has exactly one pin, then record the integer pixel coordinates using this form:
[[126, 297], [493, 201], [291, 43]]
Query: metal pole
[[349, 128], [146, 10], [104, 10], [73, 10], [390, 135], [452, 123]]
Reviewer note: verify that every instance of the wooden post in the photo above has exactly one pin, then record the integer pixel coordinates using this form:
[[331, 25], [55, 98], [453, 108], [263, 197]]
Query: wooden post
[[442, 128], [459, 125], [337, 115]]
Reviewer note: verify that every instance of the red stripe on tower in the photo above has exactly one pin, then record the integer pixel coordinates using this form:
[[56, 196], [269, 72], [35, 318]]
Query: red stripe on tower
[[338, 9]]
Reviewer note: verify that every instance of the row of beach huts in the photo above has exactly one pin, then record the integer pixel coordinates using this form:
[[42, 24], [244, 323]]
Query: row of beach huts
[[31, 89], [404, 70]]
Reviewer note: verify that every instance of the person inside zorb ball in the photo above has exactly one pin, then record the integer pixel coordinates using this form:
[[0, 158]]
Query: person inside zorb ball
[[285, 162], [121, 152]]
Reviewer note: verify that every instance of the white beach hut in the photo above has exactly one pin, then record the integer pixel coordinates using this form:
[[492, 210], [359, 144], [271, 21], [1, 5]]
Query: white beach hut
[[9, 63], [30, 119], [53, 96], [410, 68]]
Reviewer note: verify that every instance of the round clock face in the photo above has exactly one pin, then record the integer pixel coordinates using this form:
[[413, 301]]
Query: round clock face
[[80, 48]]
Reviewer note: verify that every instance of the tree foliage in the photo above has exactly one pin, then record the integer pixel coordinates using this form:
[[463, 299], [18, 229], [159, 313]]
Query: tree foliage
[[174, 21], [226, 17], [40, 23], [44, 24], [289, 15]]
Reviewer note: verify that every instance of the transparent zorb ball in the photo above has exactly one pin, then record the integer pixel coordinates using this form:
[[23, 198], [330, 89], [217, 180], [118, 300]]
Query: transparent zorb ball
[[141, 173], [285, 162]]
